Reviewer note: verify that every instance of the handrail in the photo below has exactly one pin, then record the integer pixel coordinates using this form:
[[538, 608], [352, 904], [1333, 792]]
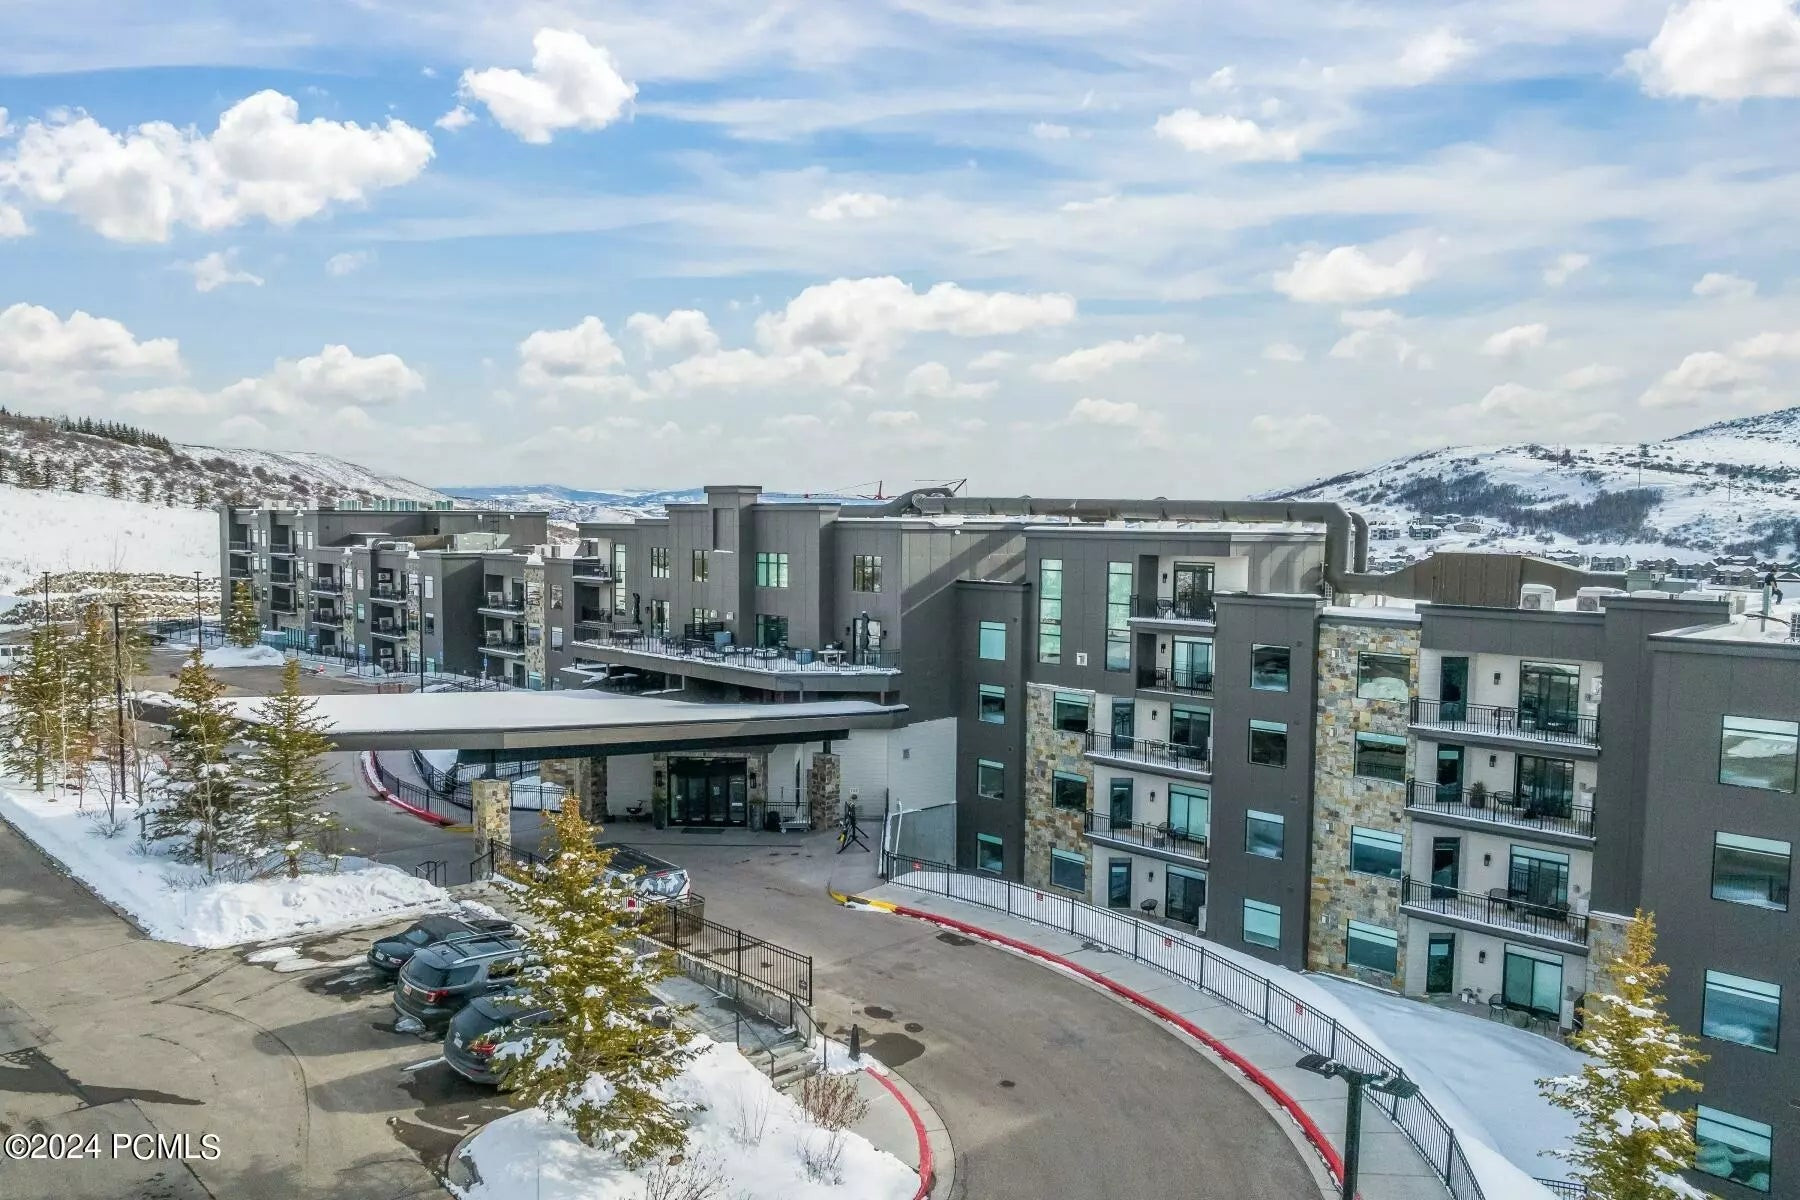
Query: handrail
[[1174, 608], [1499, 907], [1151, 837], [1149, 750], [1166, 679], [1500, 808], [1507, 721]]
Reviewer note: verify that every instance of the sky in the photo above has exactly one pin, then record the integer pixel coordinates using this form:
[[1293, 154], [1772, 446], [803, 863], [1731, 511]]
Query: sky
[[1153, 247]]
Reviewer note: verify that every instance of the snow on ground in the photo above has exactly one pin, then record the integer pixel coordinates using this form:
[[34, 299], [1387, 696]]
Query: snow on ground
[[525, 1156], [176, 902], [81, 531], [244, 656]]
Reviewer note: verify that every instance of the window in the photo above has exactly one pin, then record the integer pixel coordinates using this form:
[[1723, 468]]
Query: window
[[1751, 870], [1383, 676], [1268, 743], [865, 573], [1262, 924], [989, 853], [1191, 729], [699, 566], [1118, 883], [1264, 833], [771, 570], [659, 562], [1376, 852], [1184, 895], [1068, 870], [1732, 1147], [1539, 877], [771, 631], [619, 558], [993, 704], [1050, 610], [659, 617], [993, 641], [428, 587], [1531, 981], [430, 622], [1190, 813], [1069, 713], [990, 779], [1269, 668], [556, 637], [1069, 790], [1545, 786], [1757, 753], [1121, 804], [1381, 756], [1372, 947], [1745, 1011], [1118, 616]]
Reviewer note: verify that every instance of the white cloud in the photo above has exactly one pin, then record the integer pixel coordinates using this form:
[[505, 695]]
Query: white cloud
[[745, 368], [334, 377], [1347, 275], [992, 360], [12, 222], [1716, 285], [873, 315], [1769, 345], [1090, 361], [261, 161], [1509, 343], [1094, 205], [1236, 138], [1433, 54], [347, 262], [1370, 318], [1536, 409], [1594, 375], [1565, 268], [1285, 433], [217, 270], [573, 84], [34, 340], [457, 118], [1283, 352], [1222, 80], [683, 332], [853, 206], [794, 423], [580, 358], [1376, 342], [1047, 132], [1705, 377], [933, 381], [1123, 414], [1723, 50], [894, 418]]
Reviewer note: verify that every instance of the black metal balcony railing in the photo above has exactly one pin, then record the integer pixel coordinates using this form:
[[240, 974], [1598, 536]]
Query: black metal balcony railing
[[1174, 608], [778, 659], [1507, 722], [1148, 750], [495, 641], [1500, 807], [328, 586], [592, 631], [1151, 837], [500, 600], [1167, 679], [590, 573], [389, 625], [237, 547], [387, 591], [285, 549], [1498, 907], [240, 572]]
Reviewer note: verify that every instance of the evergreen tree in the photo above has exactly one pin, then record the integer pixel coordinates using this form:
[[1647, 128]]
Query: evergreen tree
[[146, 490], [285, 777], [115, 482], [201, 810], [587, 974], [243, 627], [87, 696], [33, 720], [1628, 1144], [75, 477]]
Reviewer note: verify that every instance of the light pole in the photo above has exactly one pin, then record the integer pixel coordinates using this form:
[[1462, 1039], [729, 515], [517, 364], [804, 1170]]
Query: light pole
[[198, 610], [1396, 1085]]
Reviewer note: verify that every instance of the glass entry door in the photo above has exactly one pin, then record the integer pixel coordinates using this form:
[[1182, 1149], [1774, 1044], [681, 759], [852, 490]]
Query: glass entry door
[[1546, 786], [1453, 689], [1539, 877], [1548, 697], [1191, 660], [1119, 805], [1533, 982], [1449, 774], [1194, 591], [1440, 964], [1123, 721], [1118, 883], [708, 791], [1446, 866]]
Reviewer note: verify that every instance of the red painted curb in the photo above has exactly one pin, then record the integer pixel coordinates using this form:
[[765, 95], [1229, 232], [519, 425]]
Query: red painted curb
[[1334, 1163], [367, 760], [927, 1175]]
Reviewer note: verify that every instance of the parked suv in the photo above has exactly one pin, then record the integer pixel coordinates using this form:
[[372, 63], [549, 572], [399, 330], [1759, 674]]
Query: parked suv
[[391, 953], [479, 1029], [439, 980], [651, 877]]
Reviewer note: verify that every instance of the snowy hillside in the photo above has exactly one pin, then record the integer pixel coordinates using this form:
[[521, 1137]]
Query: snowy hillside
[[1730, 488], [577, 504], [65, 532]]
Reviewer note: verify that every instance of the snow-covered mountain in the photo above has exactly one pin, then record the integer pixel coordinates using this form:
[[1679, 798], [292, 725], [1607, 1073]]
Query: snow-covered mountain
[[578, 504], [1728, 488]]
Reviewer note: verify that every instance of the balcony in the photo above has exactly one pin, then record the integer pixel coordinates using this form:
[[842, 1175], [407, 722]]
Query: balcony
[[498, 643], [501, 604], [238, 547], [327, 616], [1173, 608], [1496, 721], [632, 647], [283, 549], [387, 590], [1159, 840], [1497, 909], [388, 627], [1468, 807], [590, 572], [592, 631], [327, 586], [238, 572], [1168, 757], [1165, 679]]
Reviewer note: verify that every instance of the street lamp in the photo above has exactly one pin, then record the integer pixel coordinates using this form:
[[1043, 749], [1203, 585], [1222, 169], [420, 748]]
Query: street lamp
[[1395, 1084]]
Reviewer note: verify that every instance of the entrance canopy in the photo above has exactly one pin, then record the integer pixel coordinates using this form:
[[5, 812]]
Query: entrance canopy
[[535, 725]]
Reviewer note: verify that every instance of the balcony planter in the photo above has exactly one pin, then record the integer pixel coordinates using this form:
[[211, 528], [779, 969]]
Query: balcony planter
[[1478, 795]]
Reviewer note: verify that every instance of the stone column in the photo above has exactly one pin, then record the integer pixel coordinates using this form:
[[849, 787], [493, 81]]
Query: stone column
[[823, 783], [584, 779], [491, 802]]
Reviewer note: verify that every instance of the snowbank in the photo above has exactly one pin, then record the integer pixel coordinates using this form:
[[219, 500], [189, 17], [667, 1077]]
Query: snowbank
[[244, 656], [176, 902], [525, 1156], [81, 531]]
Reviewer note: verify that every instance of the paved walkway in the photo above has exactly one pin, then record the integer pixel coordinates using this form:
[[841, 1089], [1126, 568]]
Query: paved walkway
[[1391, 1169]]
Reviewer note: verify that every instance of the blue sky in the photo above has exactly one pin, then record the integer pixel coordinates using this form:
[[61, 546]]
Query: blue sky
[[1143, 246]]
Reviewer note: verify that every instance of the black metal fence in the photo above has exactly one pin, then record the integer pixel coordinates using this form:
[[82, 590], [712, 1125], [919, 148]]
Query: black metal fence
[[181, 630], [1502, 807], [1500, 907], [681, 927], [1508, 722], [1564, 1187], [1150, 751]]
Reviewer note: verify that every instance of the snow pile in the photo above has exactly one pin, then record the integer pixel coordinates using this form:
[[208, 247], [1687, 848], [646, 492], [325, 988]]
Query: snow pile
[[526, 1155], [244, 656], [176, 902], [81, 531]]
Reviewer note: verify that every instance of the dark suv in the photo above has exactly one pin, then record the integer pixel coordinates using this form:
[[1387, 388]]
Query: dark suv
[[439, 980], [391, 953], [479, 1029]]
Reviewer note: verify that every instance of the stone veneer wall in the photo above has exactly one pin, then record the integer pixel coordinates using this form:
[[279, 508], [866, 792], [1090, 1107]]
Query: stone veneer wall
[[1048, 750], [824, 790], [535, 636], [756, 786], [1606, 939], [1341, 799], [585, 778]]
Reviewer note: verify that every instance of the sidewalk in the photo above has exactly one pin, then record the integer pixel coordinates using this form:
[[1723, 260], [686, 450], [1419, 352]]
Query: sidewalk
[[1391, 1169]]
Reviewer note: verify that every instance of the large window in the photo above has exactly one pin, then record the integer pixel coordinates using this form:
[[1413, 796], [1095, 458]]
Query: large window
[[1549, 697], [1751, 870], [1372, 947], [1050, 581], [1118, 883], [1377, 852], [1381, 756], [1184, 895], [993, 641], [1538, 877], [771, 631], [1383, 676], [1531, 981], [990, 779], [1190, 812], [993, 704], [1758, 753], [1264, 833], [865, 573], [1732, 1147], [659, 562], [990, 853], [771, 570], [1745, 1011], [620, 560], [1069, 790], [1269, 668], [1191, 729], [1268, 743], [1262, 924], [1068, 870], [1069, 713], [1546, 786], [699, 563], [1118, 616]]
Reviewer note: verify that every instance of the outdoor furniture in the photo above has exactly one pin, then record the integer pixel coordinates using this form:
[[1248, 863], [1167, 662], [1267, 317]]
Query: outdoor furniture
[[834, 658]]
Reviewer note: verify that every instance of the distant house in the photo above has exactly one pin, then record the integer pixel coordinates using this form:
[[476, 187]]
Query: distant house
[[1609, 563], [1386, 531], [1467, 527], [1423, 530]]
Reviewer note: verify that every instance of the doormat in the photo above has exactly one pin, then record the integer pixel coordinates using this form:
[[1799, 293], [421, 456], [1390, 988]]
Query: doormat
[[712, 832]]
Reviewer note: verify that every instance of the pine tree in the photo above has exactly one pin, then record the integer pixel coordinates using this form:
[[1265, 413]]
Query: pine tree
[[146, 490], [75, 477], [33, 721], [1628, 1144], [588, 975], [115, 482], [201, 810], [285, 777], [243, 626], [87, 696]]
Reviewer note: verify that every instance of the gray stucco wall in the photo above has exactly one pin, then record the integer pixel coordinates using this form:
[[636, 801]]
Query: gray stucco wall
[[1553, 636], [973, 603]]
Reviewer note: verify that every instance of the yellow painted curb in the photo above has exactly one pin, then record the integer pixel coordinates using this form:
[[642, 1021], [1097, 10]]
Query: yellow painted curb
[[459, 829], [879, 905]]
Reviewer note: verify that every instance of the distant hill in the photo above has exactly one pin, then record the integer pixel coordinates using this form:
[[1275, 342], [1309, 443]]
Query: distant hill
[[577, 504]]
